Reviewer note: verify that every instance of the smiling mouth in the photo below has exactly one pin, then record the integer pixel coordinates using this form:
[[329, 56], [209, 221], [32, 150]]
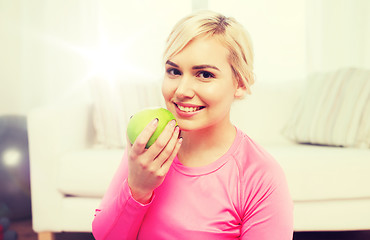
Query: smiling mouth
[[188, 109]]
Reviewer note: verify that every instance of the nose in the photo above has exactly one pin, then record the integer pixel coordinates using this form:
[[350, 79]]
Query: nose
[[185, 88]]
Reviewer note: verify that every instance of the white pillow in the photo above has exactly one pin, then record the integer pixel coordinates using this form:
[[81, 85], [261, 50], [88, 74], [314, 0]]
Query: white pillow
[[334, 110], [114, 104]]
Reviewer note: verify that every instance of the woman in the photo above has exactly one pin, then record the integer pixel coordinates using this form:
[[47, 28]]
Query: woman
[[209, 180]]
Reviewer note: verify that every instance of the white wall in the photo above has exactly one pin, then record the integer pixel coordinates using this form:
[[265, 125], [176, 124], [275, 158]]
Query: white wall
[[52, 34], [36, 66], [52, 48], [338, 34], [49, 49], [278, 31], [141, 28]]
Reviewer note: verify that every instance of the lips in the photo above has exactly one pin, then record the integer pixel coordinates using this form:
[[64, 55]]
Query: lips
[[188, 108]]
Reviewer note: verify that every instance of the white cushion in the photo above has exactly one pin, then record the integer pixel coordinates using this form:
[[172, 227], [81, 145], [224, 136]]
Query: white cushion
[[324, 173], [334, 110], [87, 173], [313, 172], [114, 102], [335, 215]]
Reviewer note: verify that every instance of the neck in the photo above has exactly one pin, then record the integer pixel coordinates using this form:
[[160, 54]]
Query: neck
[[201, 147]]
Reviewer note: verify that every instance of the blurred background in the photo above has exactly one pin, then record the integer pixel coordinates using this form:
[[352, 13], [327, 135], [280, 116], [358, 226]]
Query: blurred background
[[49, 49]]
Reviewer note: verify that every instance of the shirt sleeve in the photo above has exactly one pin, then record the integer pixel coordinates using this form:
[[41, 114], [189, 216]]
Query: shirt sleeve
[[269, 208], [119, 215]]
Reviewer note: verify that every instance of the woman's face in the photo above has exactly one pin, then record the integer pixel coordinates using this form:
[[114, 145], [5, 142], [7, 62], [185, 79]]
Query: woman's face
[[198, 86]]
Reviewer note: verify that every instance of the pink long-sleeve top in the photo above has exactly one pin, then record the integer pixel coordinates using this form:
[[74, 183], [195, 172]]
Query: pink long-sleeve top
[[242, 195]]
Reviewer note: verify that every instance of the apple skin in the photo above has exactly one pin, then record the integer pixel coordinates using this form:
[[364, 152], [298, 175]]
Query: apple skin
[[141, 119]]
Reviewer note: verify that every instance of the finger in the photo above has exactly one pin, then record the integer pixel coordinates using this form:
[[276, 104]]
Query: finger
[[167, 151], [142, 139], [162, 140], [167, 164]]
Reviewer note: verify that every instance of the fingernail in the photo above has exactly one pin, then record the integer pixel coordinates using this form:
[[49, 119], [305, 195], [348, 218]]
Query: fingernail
[[155, 121], [172, 123], [177, 129], [180, 140]]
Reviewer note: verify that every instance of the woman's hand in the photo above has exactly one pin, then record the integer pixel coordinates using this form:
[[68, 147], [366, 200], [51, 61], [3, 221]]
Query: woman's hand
[[149, 167]]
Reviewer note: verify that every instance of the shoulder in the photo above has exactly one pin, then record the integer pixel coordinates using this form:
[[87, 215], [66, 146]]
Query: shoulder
[[262, 180], [255, 163]]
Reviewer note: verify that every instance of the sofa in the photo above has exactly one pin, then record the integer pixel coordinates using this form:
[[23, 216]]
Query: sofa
[[70, 172]]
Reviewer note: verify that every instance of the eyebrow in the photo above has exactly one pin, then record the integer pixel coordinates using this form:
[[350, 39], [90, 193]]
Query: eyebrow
[[172, 64], [205, 66], [197, 67]]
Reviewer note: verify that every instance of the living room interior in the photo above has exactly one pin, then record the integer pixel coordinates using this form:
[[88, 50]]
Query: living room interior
[[73, 72]]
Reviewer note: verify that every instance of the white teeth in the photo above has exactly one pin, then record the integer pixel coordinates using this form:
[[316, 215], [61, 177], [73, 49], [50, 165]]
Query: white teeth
[[188, 109]]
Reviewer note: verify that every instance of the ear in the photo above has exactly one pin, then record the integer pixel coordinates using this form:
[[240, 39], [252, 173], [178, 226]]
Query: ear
[[240, 90]]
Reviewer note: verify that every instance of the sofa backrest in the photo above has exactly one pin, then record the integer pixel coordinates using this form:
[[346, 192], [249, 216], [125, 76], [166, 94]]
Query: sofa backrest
[[263, 114]]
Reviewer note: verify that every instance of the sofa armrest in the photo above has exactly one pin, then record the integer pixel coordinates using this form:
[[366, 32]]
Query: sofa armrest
[[63, 128], [53, 131]]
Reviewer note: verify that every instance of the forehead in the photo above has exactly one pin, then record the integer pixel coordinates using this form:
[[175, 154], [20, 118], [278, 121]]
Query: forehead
[[203, 50]]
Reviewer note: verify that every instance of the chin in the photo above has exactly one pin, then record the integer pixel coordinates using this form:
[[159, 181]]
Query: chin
[[189, 126]]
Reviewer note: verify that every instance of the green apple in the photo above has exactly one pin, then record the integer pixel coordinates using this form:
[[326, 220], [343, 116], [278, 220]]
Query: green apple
[[141, 119]]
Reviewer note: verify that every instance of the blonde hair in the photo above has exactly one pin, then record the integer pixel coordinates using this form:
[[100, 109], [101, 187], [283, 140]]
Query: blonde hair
[[228, 31]]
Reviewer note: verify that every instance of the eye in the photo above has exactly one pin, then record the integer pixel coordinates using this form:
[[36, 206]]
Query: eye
[[173, 72], [206, 75]]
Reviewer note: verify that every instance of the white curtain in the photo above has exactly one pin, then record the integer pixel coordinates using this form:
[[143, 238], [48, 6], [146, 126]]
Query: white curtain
[[338, 34]]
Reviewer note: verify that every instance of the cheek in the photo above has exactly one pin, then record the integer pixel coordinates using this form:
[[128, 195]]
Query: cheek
[[216, 93], [167, 89]]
